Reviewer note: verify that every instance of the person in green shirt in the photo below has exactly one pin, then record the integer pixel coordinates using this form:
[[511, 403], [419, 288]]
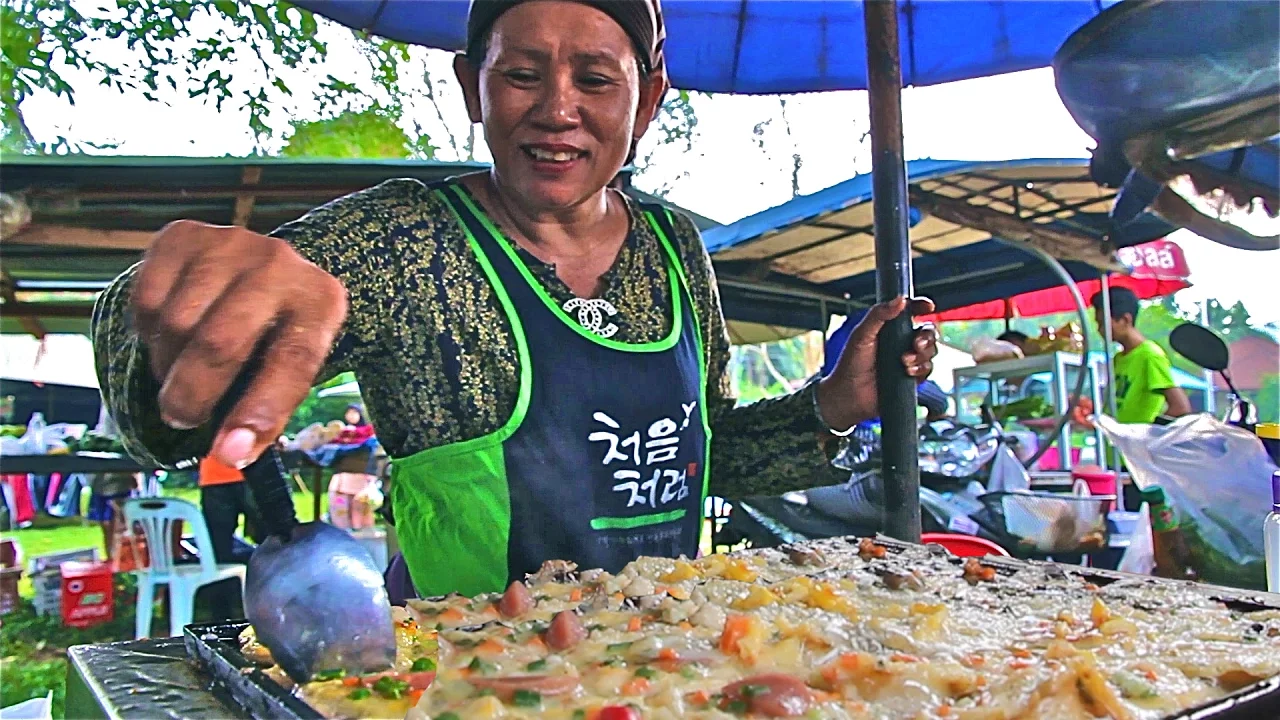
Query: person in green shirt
[[1143, 373]]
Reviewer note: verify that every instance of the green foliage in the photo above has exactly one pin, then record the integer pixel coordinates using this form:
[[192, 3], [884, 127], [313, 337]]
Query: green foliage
[[370, 133], [676, 124], [182, 45], [1267, 398], [316, 409]]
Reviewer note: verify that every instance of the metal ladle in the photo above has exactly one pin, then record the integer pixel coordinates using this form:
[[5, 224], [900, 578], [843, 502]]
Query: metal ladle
[[313, 594]]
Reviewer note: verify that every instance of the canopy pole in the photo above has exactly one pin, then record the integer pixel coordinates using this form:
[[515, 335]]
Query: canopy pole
[[896, 391], [1108, 347]]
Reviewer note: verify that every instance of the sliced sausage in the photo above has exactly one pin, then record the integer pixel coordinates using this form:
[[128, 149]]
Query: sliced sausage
[[771, 695], [516, 601], [506, 687], [566, 630]]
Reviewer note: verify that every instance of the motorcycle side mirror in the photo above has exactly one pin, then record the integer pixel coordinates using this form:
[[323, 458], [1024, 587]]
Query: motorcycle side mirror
[[1200, 345]]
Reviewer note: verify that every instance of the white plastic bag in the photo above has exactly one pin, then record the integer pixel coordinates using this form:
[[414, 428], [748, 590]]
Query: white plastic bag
[[1140, 557], [986, 350], [33, 709], [1007, 473], [1217, 477]]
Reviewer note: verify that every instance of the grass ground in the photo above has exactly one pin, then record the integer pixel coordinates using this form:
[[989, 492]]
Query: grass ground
[[33, 648]]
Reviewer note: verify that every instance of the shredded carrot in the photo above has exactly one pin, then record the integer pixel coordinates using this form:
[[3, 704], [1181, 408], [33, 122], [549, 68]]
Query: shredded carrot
[[351, 681], [490, 647], [831, 674], [944, 711], [1022, 653], [735, 628], [975, 661], [701, 697], [635, 686], [452, 615], [633, 625], [668, 654], [537, 642], [1150, 675], [685, 625], [415, 696], [904, 658], [1019, 664], [850, 661], [575, 595]]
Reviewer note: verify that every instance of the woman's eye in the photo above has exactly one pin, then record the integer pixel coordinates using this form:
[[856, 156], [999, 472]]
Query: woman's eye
[[595, 81], [522, 77]]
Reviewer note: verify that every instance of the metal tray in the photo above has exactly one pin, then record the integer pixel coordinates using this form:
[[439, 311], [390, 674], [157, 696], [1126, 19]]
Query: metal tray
[[215, 648]]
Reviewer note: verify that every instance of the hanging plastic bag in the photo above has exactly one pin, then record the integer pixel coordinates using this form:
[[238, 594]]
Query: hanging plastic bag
[[1217, 477], [1007, 473], [1140, 557]]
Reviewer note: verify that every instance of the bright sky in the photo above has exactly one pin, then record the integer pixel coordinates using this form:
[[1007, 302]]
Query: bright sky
[[727, 175]]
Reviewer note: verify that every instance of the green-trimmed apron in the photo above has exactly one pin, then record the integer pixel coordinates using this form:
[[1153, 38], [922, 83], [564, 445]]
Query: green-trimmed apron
[[603, 460]]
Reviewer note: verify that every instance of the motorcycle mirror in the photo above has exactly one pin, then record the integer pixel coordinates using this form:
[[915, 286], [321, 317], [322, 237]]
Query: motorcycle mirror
[[1200, 345]]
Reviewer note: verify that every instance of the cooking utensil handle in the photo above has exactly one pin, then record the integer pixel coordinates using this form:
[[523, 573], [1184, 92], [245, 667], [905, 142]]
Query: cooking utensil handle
[[269, 482]]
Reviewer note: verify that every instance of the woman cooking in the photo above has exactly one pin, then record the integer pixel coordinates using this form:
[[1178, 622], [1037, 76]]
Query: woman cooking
[[544, 358]]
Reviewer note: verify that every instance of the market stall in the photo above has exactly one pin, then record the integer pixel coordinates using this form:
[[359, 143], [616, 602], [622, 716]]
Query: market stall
[[871, 568]]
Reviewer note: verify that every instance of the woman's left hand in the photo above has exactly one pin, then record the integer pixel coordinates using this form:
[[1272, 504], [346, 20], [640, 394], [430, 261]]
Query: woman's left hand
[[848, 396]]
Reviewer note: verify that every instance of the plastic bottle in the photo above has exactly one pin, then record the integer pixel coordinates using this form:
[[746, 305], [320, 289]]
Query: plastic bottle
[[1271, 536], [1173, 556]]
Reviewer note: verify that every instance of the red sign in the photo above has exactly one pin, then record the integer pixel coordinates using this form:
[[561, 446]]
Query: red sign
[[1158, 259], [88, 594]]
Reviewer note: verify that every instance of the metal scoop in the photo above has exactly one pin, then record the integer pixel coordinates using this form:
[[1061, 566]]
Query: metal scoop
[[313, 594]]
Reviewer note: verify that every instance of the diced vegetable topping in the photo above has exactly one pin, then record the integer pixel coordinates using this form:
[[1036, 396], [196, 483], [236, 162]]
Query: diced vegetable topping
[[324, 675], [526, 698], [390, 687], [360, 694], [423, 665]]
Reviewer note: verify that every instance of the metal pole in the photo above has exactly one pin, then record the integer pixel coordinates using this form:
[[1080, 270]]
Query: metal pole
[[897, 391], [1108, 347], [1210, 397]]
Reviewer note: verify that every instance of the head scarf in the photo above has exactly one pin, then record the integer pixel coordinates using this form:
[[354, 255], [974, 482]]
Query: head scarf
[[641, 20]]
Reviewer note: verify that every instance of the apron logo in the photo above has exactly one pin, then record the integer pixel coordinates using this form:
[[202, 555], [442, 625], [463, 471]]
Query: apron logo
[[660, 445], [592, 313]]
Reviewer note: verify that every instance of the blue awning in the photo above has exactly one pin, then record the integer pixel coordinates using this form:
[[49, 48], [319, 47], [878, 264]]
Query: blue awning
[[813, 255], [767, 46]]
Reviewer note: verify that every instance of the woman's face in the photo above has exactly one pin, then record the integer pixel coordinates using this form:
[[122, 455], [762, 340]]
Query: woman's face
[[560, 97], [353, 416]]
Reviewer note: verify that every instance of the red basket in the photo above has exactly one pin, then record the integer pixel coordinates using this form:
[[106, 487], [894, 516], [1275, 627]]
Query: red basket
[[964, 545]]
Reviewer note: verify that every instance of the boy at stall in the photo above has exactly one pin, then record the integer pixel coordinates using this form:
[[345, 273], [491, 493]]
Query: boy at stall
[[1145, 389]]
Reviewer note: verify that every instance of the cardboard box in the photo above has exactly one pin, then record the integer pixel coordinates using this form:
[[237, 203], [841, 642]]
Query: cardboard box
[[10, 574], [88, 594]]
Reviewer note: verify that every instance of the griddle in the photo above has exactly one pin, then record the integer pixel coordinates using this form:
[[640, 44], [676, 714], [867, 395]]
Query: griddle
[[215, 649]]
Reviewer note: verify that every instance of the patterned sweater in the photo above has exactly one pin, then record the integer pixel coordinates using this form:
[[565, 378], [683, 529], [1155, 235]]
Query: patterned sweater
[[435, 355]]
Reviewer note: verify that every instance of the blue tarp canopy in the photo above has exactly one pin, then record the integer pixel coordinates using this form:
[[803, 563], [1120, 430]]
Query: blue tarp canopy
[[794, 264], [768, 46]]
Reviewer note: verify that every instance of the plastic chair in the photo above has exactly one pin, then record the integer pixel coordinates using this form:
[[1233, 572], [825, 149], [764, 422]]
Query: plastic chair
[[156, 516], [964, 545]]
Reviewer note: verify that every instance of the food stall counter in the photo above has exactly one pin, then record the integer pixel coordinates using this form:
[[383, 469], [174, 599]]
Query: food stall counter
[[142, 678]]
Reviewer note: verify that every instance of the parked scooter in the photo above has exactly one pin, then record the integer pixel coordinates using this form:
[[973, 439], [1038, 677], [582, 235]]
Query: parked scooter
[[955, 463], [1203, 347]]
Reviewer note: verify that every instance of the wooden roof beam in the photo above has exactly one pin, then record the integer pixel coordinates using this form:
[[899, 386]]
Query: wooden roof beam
[[244, 201], [81, 237]]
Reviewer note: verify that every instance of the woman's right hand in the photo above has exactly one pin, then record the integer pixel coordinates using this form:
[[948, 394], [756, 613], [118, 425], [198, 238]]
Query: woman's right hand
[[204, 299]]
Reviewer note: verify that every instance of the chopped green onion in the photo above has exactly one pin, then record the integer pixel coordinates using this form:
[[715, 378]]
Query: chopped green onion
[[448, 716], [536, 665], [526, 698], [647, 673], [618, 647], [329, 675], [481, 666], [359, 694], [423, 665], [750, 691], [389, 687]]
